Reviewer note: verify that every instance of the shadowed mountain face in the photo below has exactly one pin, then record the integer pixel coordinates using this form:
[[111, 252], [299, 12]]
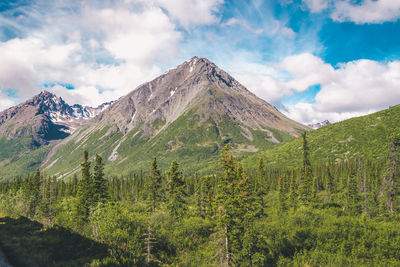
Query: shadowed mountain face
[[190, 113]]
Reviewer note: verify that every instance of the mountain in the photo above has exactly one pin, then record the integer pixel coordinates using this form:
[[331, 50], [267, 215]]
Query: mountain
[[45, 117], [365, 137], [319, 124], [188, 113], [28, 130]]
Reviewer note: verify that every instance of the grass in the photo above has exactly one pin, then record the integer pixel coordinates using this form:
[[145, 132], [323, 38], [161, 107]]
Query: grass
[[19, 157]]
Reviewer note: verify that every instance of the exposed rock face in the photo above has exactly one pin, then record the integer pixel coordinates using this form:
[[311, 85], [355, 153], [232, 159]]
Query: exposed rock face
[[45, 117], [197, 83]]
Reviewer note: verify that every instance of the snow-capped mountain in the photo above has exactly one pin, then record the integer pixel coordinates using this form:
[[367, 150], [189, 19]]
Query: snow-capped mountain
[[45, 117], [319, 124]]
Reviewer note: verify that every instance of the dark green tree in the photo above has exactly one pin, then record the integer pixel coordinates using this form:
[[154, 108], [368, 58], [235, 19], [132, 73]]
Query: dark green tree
[[85, 190], [293, 191], [100, 193], [306, 178], [353, 198], [226, 203], [282, 194], [32, 193], [176, 191], [392, 178], [155, 184], [330, 185]]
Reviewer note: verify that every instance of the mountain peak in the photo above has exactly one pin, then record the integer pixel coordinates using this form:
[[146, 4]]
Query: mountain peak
[[45, 92]]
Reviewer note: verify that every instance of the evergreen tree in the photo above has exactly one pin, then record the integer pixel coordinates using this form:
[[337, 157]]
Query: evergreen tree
[[261, 184], [85, 190], [330, 185], [248, 209], [100, 193], [353, 197], [33, 193], [392, 179], [225, 201], [155, 181], [176, 185], [282, 194], [306, 178], [293, 191]]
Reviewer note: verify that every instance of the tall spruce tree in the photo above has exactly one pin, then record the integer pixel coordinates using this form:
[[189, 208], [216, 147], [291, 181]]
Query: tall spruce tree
[[293, 191], [225, 201], [32, 193], [282, 194], [353, 198], [155, 184], [330, 185], [100, 193], [176, 191], [306, 178], [85, 190], [392, 179]]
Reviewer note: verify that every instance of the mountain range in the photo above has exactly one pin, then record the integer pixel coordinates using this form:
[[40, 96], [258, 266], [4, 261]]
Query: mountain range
[[189, 112]]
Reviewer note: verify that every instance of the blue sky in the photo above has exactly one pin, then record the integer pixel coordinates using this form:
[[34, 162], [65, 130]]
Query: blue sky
[[313, 59]]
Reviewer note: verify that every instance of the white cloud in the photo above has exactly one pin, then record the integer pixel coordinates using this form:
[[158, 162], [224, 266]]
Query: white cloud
[[193, 12], [368, 11], [306, 70], [139, 38], [25, 61], [307, 114], [264, 81], [317, 6], [353, 89], [137, 42]]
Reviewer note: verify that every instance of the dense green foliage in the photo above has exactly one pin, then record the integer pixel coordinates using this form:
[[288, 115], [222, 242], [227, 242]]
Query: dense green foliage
[[330, 198], [330, 214]]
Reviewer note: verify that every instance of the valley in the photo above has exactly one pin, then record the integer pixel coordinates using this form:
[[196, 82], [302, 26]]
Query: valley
[[192, 169]]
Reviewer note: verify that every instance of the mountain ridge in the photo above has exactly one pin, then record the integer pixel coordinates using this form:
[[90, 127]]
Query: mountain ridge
[[160, 117]]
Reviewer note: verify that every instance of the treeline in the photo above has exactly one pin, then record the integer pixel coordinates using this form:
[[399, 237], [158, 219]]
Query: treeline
[[338, 214]]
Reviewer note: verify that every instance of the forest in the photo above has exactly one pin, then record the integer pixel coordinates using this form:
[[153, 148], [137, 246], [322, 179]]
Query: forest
[[318, 214]]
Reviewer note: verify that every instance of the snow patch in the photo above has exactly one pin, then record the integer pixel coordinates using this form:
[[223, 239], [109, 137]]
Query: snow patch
[[173, 92]]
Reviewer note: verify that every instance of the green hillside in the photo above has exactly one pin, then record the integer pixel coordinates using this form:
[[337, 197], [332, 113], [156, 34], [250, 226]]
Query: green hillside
[[19, 157], [191, 139], [364, 137]]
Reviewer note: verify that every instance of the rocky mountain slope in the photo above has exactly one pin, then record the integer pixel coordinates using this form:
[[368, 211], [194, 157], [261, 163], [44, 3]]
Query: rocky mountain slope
[[28, 130], [45, 117], [189, 113]]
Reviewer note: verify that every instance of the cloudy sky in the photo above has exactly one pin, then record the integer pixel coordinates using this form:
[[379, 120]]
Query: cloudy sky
[[312, 59]]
